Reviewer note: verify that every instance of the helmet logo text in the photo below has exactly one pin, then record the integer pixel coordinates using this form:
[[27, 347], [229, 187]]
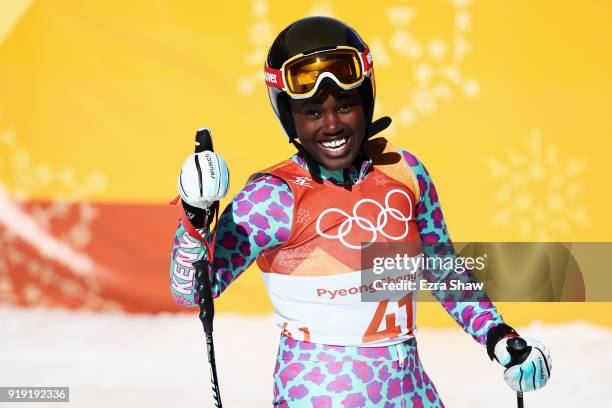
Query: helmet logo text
[[271, 78]]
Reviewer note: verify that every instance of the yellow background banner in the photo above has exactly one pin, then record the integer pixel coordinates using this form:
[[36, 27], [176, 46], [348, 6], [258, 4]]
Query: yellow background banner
[[506, 103]]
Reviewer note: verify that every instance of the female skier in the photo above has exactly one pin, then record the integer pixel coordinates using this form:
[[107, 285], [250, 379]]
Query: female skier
[[303, 221]]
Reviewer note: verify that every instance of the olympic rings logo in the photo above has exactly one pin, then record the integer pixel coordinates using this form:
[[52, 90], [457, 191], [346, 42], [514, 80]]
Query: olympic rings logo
[[365, 224]]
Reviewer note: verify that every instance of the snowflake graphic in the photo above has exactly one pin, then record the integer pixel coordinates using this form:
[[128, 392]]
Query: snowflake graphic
[[539, 191], [303, 216], [68, 220], [380, 180], [436, 62], [261, 35]]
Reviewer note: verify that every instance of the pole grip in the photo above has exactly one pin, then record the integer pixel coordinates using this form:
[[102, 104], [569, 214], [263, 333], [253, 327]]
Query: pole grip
[[205, 300], [203, 141], [518, 349]]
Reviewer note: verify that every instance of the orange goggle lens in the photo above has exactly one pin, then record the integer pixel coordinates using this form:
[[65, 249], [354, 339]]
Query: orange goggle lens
[[301, 75]]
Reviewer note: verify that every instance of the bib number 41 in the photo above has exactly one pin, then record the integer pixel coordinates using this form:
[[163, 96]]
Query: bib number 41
[[391, 328]]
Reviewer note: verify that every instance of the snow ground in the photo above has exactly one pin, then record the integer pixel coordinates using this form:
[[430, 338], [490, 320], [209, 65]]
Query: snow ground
[[118, 360]]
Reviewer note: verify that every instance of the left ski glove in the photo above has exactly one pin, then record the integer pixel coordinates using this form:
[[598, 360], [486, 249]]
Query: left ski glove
[[525, 371], [204, 179]]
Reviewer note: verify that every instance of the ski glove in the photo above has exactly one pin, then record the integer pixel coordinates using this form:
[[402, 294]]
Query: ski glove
[[525, 371], [204, 179]]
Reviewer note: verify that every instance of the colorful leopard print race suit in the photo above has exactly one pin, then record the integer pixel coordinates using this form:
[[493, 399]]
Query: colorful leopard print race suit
[[321, 376], [260, 218], [314, 279]]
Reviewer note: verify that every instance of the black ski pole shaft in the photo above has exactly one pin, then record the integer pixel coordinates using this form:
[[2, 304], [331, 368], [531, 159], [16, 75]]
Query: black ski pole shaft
[[517, 347], [207, 313], [205, 301]]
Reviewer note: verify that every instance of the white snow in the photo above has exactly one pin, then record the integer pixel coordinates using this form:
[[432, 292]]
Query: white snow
[[119, 360]]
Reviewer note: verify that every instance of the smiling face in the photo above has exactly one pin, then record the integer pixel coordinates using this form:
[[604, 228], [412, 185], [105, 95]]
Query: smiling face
[[330, 126]]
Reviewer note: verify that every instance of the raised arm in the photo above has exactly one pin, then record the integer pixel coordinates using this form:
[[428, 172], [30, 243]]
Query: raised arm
[[258, 218], [476, 318]]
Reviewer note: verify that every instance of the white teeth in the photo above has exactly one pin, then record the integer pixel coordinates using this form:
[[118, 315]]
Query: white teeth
[[334, 144]]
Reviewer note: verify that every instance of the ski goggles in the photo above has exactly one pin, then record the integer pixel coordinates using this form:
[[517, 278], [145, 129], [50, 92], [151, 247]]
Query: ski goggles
[[301, 75]]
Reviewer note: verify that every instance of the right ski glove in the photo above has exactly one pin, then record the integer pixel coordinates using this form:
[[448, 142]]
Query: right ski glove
[[204, 179], [527, 361]]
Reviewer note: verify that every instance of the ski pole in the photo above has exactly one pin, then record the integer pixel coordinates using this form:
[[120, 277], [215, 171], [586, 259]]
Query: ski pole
[[205, 300], [517, 347]]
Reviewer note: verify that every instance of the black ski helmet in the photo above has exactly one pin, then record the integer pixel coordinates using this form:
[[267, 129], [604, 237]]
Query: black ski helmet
[[309, 35]]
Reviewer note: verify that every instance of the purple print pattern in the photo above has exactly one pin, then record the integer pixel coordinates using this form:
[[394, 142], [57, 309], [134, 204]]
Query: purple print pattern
[[257, 219], [260, 218], [476, 318], [359, 378]]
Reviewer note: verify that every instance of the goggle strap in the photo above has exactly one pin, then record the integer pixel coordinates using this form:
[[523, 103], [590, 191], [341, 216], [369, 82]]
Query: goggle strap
[[274, 77]]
